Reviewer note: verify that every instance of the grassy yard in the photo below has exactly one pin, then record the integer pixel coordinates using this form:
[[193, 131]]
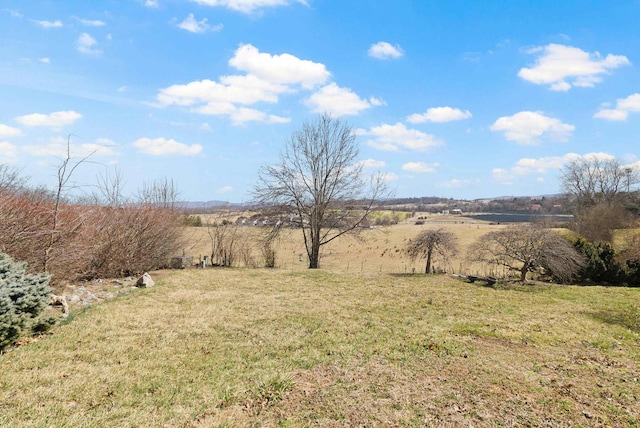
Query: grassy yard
[[241, 347]]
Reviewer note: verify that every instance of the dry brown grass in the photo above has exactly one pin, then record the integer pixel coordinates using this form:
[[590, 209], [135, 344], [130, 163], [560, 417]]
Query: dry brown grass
[[248, 348], [377, 250]]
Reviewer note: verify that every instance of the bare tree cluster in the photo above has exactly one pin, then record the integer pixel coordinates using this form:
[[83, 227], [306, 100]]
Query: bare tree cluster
[[594, 180], [432, 244], [319, 180], [529, 248], [604, 196]]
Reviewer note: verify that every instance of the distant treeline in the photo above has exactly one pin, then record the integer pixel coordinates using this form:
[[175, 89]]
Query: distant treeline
[[433, 204]]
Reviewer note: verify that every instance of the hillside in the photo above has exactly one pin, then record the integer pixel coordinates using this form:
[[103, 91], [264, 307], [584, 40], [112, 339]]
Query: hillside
[[236, 347]]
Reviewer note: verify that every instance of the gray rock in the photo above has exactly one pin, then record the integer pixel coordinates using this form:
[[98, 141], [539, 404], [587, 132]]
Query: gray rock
[[145, 281]]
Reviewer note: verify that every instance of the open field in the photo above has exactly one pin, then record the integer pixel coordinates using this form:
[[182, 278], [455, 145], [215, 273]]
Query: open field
[[377, 250], [256, 347]]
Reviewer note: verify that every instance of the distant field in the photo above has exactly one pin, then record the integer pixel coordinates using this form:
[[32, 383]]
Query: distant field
[[256, 347], [377, 250]]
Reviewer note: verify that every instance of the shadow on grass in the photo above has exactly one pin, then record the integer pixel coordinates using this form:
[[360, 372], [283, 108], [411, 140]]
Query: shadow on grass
[[628, 318]]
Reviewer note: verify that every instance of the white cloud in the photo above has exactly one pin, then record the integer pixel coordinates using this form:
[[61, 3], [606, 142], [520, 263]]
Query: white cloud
[[372, 163], [44, 60], [90, 22], [247, 6], [268, 77], [384, 50], [338, 101], [58, 148], [624, 106], [389, 176], [8, 152], [245, 90], [48, 24], [398, 136], [14, 13], [56, 119], [194, 26], [151, 3], [420, 167], [122, 89], [165, 147], [106, 142], [528, 128], [225, 189], [502, 175], [562, 67], [455, 183], [439, 115], [281, 69], [87, 45], [8, 131], [241, 115], [528, 166]]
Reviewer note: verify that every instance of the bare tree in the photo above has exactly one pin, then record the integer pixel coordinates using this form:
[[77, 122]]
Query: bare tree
[[227, 242], [110, 189], [593, 180], [430, 244], [65, 221], [320, 183], [529, 248], [603, 199], [160, 193]]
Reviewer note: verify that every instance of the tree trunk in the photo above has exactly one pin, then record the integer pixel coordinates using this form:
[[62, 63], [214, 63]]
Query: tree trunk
[[523, 273], [314, 254], [428, 267]]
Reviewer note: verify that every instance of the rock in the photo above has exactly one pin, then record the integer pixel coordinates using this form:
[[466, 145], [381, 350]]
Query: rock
[[145, 281], [73, 299], [60, 301]]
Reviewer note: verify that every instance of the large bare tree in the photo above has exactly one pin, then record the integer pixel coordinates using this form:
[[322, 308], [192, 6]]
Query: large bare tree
[[319, 181], [594, 180], [430, 244], [527, 248], [602, 192]]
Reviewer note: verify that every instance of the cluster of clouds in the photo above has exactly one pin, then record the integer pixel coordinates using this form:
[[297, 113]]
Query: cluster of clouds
[[263, 80], [563, 67], [527, 166], [623, 107], [85, 42], [58, 146]]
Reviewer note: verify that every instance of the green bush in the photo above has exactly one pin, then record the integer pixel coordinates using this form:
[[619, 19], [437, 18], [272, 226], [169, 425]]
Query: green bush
[[192, 220], [604, 265], [22, 299]]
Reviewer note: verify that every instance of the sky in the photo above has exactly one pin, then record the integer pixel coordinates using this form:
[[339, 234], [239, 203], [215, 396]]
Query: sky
[[451, 98]]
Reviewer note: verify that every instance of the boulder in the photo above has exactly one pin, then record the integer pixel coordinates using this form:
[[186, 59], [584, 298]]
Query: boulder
[[145, 281], [55, 300]]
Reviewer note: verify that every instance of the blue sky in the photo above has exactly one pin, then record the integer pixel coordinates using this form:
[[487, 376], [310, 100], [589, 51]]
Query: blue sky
[[463, 99]]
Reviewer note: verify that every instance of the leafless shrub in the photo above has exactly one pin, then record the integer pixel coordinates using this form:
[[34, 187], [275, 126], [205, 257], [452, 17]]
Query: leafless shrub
[[69, 240], [598, 222], [268, 254], [529, 248]]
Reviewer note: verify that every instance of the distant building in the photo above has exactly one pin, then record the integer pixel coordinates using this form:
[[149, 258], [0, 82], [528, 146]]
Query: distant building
[[456, 211]]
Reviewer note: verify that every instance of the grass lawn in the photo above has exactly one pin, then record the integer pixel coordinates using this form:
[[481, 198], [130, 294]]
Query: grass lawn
[[242, 347]]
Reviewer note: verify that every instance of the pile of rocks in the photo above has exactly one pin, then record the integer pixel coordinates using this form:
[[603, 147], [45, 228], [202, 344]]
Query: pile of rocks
[[97, 291]]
